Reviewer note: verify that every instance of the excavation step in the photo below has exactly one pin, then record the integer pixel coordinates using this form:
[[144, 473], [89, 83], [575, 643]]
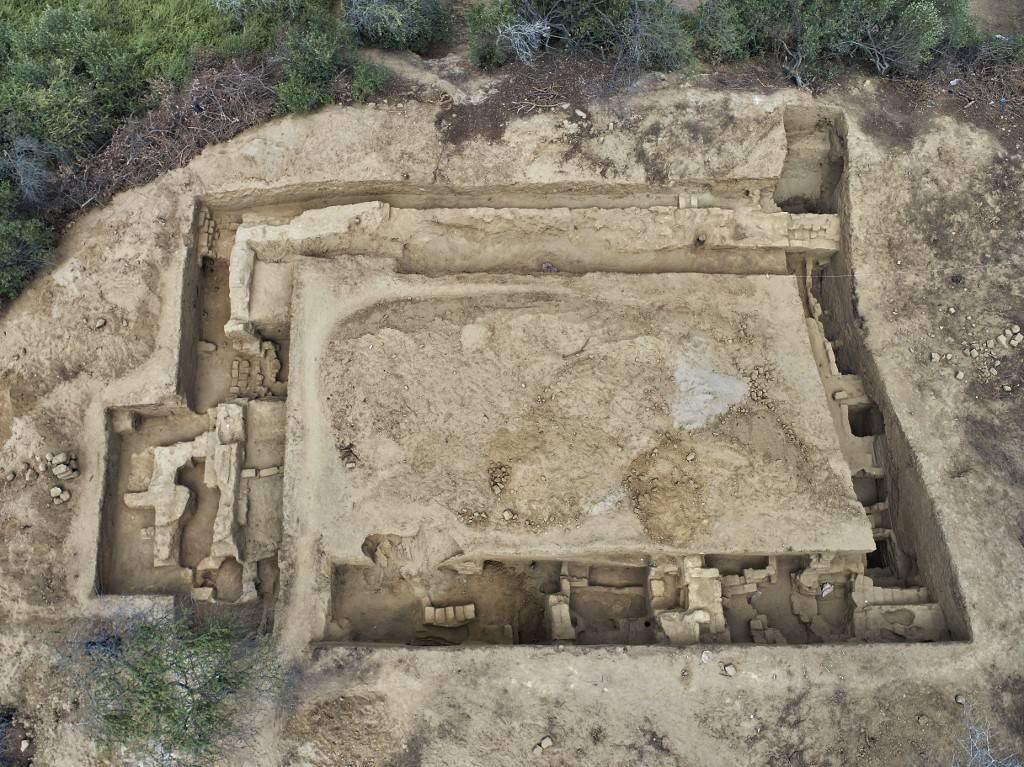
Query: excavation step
[[517, 240]]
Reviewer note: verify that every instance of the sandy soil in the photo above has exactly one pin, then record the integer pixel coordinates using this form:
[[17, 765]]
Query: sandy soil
[[933, 226]]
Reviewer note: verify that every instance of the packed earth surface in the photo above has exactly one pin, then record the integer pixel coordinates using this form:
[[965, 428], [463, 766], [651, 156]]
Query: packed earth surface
[[680, 425]]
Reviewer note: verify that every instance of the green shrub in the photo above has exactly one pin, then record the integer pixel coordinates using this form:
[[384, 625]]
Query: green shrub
[[720, 32], [893, 35], [650, 34], [68, 79], [168, 34], [655, 37], [169, 691], [26, 245], [484, 20], [399, 24], [367, 80], [317, 50]]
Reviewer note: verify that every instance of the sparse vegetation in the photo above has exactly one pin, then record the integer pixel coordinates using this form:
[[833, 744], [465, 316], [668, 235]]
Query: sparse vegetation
[[25, 244], [977, 749], [171, 691], [368, 79]]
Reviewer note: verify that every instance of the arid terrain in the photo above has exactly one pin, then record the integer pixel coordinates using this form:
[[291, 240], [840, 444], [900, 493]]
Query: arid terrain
[[682, 425]]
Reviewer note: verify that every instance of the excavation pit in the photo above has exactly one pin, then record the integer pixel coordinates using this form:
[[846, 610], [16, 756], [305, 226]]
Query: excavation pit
[[445, 416]]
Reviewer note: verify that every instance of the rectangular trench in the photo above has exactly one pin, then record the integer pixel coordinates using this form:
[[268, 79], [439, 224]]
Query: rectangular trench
[[806, 598]]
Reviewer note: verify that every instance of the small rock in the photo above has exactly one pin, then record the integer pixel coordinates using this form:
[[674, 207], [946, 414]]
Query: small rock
[[705, 656], [49, 457], [728, 669], [11, 476], [691, 457], [55, 491], [565, 105], [60, 458], [581, 114], [24, 746], [1003, 340], [537, 750], [30, 475], [949, 356], [350, 465], [960, 698], [506, 515], [923, 719], [1007, 387], [65, 496], [546, 742], [41, 468], [1014, 329], [99, 323], [826, 589], [959, 375], [935, 357]]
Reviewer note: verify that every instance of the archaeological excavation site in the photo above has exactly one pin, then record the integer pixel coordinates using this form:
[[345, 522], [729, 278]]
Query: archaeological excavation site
[[446, 417], [661, 443]]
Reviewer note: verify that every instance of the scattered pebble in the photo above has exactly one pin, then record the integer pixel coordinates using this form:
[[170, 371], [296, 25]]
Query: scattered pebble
[[960, 698], [959, 375], [691, 457], [935, 357], [99, 323], [55, 491], [546, 742], [728, 669]]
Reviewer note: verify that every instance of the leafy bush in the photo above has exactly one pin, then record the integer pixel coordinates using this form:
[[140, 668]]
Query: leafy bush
[[172, 692], [26, 245], [893, 35], [367, 80], [67, 79], [399, 24], [720, 31], [485, 20], [654, 36], [649, 34], [317, 51]]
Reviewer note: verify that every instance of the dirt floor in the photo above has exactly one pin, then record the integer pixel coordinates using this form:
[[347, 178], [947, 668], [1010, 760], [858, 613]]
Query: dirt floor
[[915, 305]]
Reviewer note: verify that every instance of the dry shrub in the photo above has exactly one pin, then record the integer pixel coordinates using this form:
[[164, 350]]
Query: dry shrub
[[219, 103]]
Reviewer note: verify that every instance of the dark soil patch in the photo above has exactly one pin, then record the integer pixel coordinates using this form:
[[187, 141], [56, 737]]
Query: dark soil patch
[[553, 80], [12, 734]]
